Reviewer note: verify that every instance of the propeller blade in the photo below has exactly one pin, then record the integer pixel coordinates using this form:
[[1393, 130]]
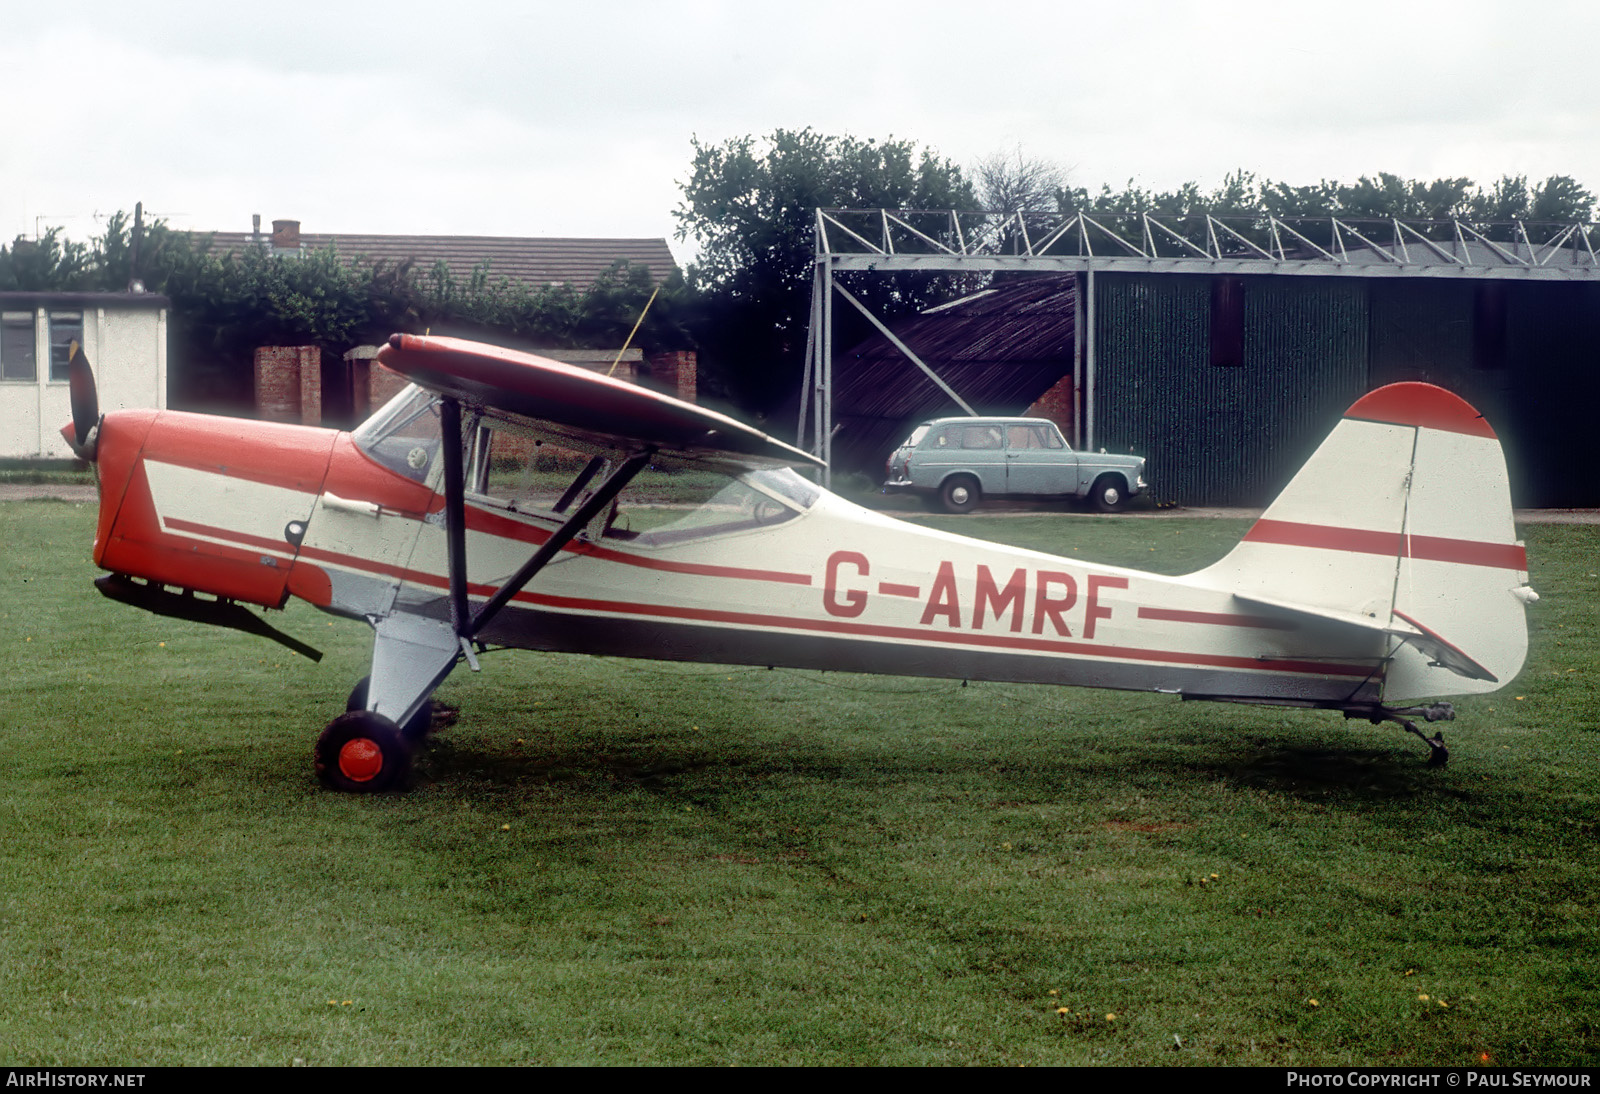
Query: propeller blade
[[85, 402]]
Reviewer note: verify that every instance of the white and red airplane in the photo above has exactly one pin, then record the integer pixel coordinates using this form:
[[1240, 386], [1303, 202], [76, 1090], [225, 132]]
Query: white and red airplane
[[1387, 573]]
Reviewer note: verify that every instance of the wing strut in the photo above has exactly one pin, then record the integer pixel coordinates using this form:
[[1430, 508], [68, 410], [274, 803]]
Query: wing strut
[[466, 623], [413, 653], [586, 512]]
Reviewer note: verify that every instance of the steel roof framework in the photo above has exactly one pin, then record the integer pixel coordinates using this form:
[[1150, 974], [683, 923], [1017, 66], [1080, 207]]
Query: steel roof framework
[[884, 241]]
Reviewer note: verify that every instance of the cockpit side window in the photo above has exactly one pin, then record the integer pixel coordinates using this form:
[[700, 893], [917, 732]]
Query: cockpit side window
[[660, 508], [404, 434]]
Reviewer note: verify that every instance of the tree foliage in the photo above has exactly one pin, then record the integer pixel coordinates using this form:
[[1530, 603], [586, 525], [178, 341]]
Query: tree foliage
[[1558, 200], [750, 205], [226, 305]]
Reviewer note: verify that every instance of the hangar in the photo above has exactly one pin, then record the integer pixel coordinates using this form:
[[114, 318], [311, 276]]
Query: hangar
[[1220, 348]]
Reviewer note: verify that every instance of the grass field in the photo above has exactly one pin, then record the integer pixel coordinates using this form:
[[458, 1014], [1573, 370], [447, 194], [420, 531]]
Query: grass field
[[639, 862]]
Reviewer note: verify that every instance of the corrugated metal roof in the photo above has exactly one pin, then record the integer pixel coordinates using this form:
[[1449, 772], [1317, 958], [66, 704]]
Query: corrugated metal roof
[[535, 261], [1000, 350]]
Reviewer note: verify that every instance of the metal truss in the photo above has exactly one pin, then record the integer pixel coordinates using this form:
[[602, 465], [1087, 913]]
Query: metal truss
[[879, 241], [899, 239]]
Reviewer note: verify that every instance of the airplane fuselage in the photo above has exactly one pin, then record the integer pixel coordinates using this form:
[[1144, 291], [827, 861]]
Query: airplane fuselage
[[256, 512]]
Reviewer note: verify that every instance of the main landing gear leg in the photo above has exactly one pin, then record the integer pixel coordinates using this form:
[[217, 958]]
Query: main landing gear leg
[[368, 749], [1438, 754]]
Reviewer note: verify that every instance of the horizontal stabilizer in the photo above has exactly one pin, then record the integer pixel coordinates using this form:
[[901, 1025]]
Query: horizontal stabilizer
[[1443, 653]]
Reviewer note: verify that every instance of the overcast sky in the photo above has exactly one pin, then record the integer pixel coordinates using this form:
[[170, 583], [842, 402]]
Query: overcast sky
[[569, 119]]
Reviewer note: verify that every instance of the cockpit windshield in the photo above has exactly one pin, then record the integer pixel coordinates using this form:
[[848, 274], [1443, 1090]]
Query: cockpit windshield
[[404, 434]]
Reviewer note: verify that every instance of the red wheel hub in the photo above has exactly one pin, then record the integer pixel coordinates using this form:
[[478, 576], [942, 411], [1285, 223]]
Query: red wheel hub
[[360, 760]]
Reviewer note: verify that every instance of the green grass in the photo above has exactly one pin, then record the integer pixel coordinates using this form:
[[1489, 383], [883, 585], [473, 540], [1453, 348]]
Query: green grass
[[45, 476], [637, 862]]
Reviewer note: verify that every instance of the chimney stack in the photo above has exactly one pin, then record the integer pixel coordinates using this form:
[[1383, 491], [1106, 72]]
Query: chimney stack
[[286, 235]]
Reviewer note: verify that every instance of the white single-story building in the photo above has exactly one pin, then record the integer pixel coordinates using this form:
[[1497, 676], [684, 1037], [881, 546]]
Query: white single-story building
[[124, 335]]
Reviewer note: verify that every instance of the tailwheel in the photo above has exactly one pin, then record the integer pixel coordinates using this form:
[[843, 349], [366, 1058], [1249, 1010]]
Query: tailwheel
[[363, 753], [1438, 754]]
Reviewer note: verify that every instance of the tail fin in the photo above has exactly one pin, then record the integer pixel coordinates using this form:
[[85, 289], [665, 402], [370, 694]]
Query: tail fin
[[1400, 523]]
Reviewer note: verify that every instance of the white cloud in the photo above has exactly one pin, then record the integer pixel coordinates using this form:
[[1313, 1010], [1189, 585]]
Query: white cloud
[[555, 118]]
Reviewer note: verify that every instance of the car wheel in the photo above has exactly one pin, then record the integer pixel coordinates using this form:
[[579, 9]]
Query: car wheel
[[1109, 493], [960, 495]]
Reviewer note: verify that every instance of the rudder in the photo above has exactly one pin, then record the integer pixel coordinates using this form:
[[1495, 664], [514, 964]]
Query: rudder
[[1400, 522]]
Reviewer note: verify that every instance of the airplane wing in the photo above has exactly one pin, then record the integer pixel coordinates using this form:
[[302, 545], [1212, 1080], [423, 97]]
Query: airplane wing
[[582, 406]]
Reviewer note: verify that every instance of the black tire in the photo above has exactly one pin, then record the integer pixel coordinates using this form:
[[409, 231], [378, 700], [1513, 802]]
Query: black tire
[[1109, 493], [363, 753], [960, 494], [418, 727]]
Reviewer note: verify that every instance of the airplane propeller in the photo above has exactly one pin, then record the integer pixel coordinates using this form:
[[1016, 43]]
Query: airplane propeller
[[85, 405]]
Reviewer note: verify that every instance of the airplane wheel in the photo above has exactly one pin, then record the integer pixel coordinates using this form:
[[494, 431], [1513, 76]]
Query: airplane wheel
[[1109, 493], [362, 753], [417, 728], [960, 494]]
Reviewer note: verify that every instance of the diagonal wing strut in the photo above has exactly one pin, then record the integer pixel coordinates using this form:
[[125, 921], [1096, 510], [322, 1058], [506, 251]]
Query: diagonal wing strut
[[466, 622]]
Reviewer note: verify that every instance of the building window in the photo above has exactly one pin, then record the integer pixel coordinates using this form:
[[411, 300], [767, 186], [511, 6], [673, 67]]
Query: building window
[[66, 327], [1227, 322], [17, 348]]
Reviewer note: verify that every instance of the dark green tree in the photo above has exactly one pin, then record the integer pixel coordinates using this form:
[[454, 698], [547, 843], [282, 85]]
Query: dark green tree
[[1242, 200], [224, 306], [750, 206]]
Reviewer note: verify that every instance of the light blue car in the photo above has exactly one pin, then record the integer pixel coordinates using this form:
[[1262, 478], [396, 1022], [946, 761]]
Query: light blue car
[[961, 461]]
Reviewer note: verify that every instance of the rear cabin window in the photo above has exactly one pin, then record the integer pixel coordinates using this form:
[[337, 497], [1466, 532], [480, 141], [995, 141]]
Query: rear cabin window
[[969, 437], [661, 505]]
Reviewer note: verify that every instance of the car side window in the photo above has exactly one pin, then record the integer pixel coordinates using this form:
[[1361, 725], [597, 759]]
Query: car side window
[[980, 437], [1032, 435]]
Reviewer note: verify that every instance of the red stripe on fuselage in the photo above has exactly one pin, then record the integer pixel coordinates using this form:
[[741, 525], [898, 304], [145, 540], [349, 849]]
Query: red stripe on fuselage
[[262, 543], [1466, 552], [1221, 619], [502, 528], [959, 638]]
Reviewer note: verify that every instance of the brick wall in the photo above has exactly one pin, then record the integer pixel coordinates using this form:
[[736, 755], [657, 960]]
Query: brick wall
[[288, 381], [310, 385], [1057, 405], [383, 384], [277, 383], [676, 371]]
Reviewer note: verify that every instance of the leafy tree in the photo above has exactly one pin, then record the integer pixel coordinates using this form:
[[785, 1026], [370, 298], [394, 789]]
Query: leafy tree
[[750, 204], [225, 306], [46, 264], [1243, 201]]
